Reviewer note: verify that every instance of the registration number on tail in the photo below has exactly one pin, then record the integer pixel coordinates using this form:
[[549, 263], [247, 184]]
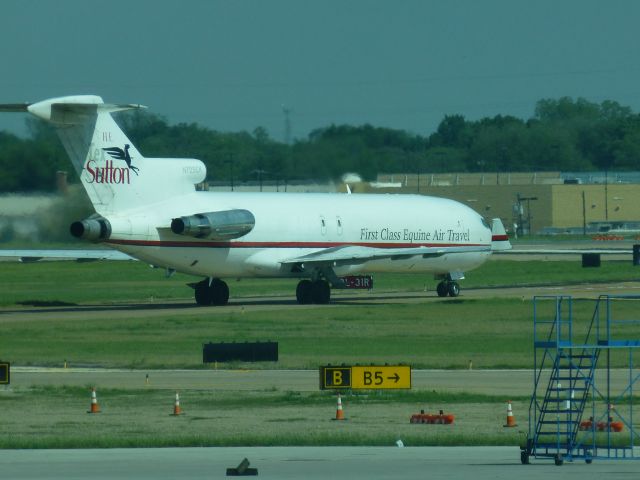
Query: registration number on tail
[[364, 282]]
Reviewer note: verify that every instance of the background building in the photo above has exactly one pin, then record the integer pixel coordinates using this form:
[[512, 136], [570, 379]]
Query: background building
[[542, 202]]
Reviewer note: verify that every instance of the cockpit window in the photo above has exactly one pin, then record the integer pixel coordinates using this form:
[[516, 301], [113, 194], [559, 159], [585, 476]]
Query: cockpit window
[[485, 223]]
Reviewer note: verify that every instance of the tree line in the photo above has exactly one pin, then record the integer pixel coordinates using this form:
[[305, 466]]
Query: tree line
[[563, 134]]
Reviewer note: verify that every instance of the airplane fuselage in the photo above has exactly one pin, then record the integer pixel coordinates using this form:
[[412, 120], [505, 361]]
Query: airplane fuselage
[[289, 225]]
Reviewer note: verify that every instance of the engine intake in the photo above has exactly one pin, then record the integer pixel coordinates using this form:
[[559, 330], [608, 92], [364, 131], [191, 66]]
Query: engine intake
[[93, 228], [224, 225]]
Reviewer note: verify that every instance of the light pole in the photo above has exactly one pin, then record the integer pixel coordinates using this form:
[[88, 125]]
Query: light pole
[[230, 162], [528, 200], [606, 195]]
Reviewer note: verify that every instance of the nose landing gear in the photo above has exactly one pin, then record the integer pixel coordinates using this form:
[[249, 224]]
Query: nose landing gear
[[448, 287]]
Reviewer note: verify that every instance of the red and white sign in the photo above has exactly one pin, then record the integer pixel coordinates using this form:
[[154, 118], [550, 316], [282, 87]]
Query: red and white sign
[[364, 282]]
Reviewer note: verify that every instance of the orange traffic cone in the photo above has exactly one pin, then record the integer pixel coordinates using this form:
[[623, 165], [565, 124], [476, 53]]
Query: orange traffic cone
[[176, 406], [95, 408], [511, 420], [339, 412]]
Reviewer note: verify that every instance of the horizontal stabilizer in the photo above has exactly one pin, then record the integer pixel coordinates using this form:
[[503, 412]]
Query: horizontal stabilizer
[[14, 107], [68, 110]]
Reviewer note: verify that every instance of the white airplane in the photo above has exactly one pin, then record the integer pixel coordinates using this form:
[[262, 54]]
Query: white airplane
[[149, 208]]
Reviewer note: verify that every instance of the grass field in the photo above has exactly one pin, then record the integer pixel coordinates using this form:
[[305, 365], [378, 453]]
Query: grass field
[[96, 282], [57, 418], [492, 333]]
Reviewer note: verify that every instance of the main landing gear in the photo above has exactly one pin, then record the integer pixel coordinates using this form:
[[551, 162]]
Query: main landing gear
[[216, 292], [448, 287], [317, 291], [211, 292]]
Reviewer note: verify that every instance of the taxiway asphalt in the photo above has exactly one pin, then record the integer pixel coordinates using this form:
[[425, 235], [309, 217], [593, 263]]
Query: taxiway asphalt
[[478, 463]]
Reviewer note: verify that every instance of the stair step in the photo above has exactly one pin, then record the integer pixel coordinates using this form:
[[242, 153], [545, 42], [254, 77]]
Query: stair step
[[566, 389], [559, 400], [561, 446], [556, 411], [568, 379], [555, 422], [575, 356]]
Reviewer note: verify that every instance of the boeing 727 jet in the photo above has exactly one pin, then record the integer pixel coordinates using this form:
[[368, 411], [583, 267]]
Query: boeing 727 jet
[[149, 208]]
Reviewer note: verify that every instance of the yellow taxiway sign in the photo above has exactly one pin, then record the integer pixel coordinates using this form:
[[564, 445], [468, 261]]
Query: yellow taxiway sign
[[365, 377]]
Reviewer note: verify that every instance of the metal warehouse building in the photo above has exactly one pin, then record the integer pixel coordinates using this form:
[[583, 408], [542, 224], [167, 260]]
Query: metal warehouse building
[[542, 202]]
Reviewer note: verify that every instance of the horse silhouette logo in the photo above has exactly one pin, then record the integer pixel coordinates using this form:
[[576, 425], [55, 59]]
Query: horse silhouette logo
[[119, 154]]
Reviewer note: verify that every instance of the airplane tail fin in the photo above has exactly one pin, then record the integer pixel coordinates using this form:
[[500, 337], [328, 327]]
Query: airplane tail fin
[[499, 238], [116, 176]]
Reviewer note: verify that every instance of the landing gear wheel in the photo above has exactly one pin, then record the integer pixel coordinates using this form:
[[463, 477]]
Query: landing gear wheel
[[524, 457], [219, 292], [558, 459], [203, 293], [320, 292], [588, 457], [442, 289], [303, 292], [453, 289], [215, 294]]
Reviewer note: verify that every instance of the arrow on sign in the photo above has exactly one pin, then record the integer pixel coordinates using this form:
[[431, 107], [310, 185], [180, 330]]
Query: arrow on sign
[[396, 377]]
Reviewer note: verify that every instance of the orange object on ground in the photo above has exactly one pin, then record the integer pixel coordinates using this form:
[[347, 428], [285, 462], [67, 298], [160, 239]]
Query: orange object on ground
[[339, 411], [176, 406], [432, 419], [95, 408], [586, 425], [616, 426], [511, 420]]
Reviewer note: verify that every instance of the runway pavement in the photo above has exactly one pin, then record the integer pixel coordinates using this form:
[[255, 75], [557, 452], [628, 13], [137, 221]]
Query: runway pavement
[[509, 383], [90, 312], [477, 463]]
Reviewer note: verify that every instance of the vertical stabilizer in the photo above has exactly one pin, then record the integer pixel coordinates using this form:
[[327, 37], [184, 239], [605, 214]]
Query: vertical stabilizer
[[114, 173], [499, 237], [105, 159]]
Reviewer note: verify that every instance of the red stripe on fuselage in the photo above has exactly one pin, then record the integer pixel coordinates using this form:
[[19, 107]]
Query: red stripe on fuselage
[[198, 244], [500, 238]]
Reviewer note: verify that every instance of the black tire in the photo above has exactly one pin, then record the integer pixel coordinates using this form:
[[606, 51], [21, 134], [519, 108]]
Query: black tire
[[558, 460], [453, 289], [219, 292], [303, 292], [442, 289], [320, 292], [203, 294], [524, 457]]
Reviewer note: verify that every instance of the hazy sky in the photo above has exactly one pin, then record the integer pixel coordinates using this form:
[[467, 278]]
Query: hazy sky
[[231, 65]]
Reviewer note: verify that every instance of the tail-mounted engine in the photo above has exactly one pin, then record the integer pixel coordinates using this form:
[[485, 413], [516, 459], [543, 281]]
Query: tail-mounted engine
[[95, 228], [224, 225]]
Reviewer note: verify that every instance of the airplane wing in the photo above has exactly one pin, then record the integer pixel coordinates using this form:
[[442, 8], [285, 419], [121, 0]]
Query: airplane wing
[[566, 251], [356, 255], [78, 255]]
